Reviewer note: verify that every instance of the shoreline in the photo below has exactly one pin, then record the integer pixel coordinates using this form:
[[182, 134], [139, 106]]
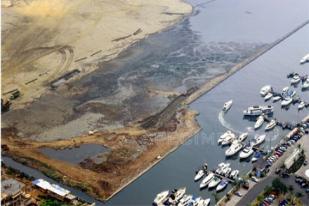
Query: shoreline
[[85, 51]]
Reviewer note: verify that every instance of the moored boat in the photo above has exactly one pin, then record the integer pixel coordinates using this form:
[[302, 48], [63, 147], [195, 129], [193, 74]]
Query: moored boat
[[227, 135], [234, 148], [243, 136], [259, 110], [222, 185], [259, 122], [160, 198], [295, 79], [214, 182], [265, 90], [301, 105], [305, 84], [258, 140], [287, 101], [257, 155], [268, 96], [185, 200], [271, 125], [205, 202], [276, 98], [206, 180], [199, 174], [304, 59], [246, 152], [176, 195]]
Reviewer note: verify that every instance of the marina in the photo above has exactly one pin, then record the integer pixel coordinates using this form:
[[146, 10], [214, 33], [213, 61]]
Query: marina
[[238, 114]]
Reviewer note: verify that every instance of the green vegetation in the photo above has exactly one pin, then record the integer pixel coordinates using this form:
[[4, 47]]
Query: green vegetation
[[279, 187], [52, 202]]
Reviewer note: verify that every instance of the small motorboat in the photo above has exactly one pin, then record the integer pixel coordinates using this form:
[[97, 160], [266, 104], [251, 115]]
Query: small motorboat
[[202, 202], [265, 90], [271, 125], [301, 105], [199, 174], [176, 195], [206, 180], [246, 152], [268, 96], [259, 122], [234, 148], [243, 136], [185, 200], [226, 135], [304, 59], [305, 84], [227, 105], [259, 110], [161, 198], [228, 140], [258, 140], [222, 185], [287, 92], [295, 79], [234, 174], [256, 156], [286, 102], [214, 182], [276, 98]]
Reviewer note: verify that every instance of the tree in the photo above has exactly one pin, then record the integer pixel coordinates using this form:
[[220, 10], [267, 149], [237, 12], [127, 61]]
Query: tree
[[279, 186]]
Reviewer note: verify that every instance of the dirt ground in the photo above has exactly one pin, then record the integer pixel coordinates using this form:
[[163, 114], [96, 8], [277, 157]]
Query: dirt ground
[[42, 39], [133, 151]]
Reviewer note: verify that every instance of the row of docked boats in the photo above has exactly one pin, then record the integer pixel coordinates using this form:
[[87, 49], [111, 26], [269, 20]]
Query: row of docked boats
[[178, 197], [260, 121], [218, 178], [287, 96]]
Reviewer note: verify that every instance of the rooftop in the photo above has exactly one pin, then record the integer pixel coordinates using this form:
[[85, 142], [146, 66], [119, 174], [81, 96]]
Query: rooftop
[[10, 187]]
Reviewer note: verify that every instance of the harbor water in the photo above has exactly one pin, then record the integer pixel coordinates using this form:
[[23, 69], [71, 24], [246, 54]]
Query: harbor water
[[239, 27]]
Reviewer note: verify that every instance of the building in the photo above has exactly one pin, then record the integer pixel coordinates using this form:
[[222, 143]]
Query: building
[[292, 158], [54, 190], [13, 193]]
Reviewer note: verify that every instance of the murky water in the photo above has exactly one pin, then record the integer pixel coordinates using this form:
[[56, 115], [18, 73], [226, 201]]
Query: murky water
[[218, 35], [77, 154]]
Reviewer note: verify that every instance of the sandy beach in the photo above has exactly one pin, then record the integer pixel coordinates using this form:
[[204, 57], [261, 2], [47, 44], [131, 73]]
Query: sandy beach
[[43, 40]]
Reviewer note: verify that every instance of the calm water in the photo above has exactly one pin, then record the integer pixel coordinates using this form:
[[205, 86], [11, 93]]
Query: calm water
[[234, 23], [75, 155]]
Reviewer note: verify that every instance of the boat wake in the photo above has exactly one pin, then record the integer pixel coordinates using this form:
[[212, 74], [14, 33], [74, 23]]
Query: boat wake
[[226, 124]]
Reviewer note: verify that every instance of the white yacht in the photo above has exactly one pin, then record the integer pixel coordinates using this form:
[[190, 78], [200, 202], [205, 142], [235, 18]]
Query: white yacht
[[205, 202], [243, 136], [286, 102], [271, 125], [268, 96], [305, 84], [234, 174], [276, 98], [258, 140], [199, 175], [265, 90], [259, 122], [161, 198], [258, 110], [304, 59], [301, 105], [288, 92], [234, 148], [222, 185], [227, 135], [246, 152], [214, 182], [228, 140], [206, 180], [176, 195], [227, 105], [295, 79], [185, 200]]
